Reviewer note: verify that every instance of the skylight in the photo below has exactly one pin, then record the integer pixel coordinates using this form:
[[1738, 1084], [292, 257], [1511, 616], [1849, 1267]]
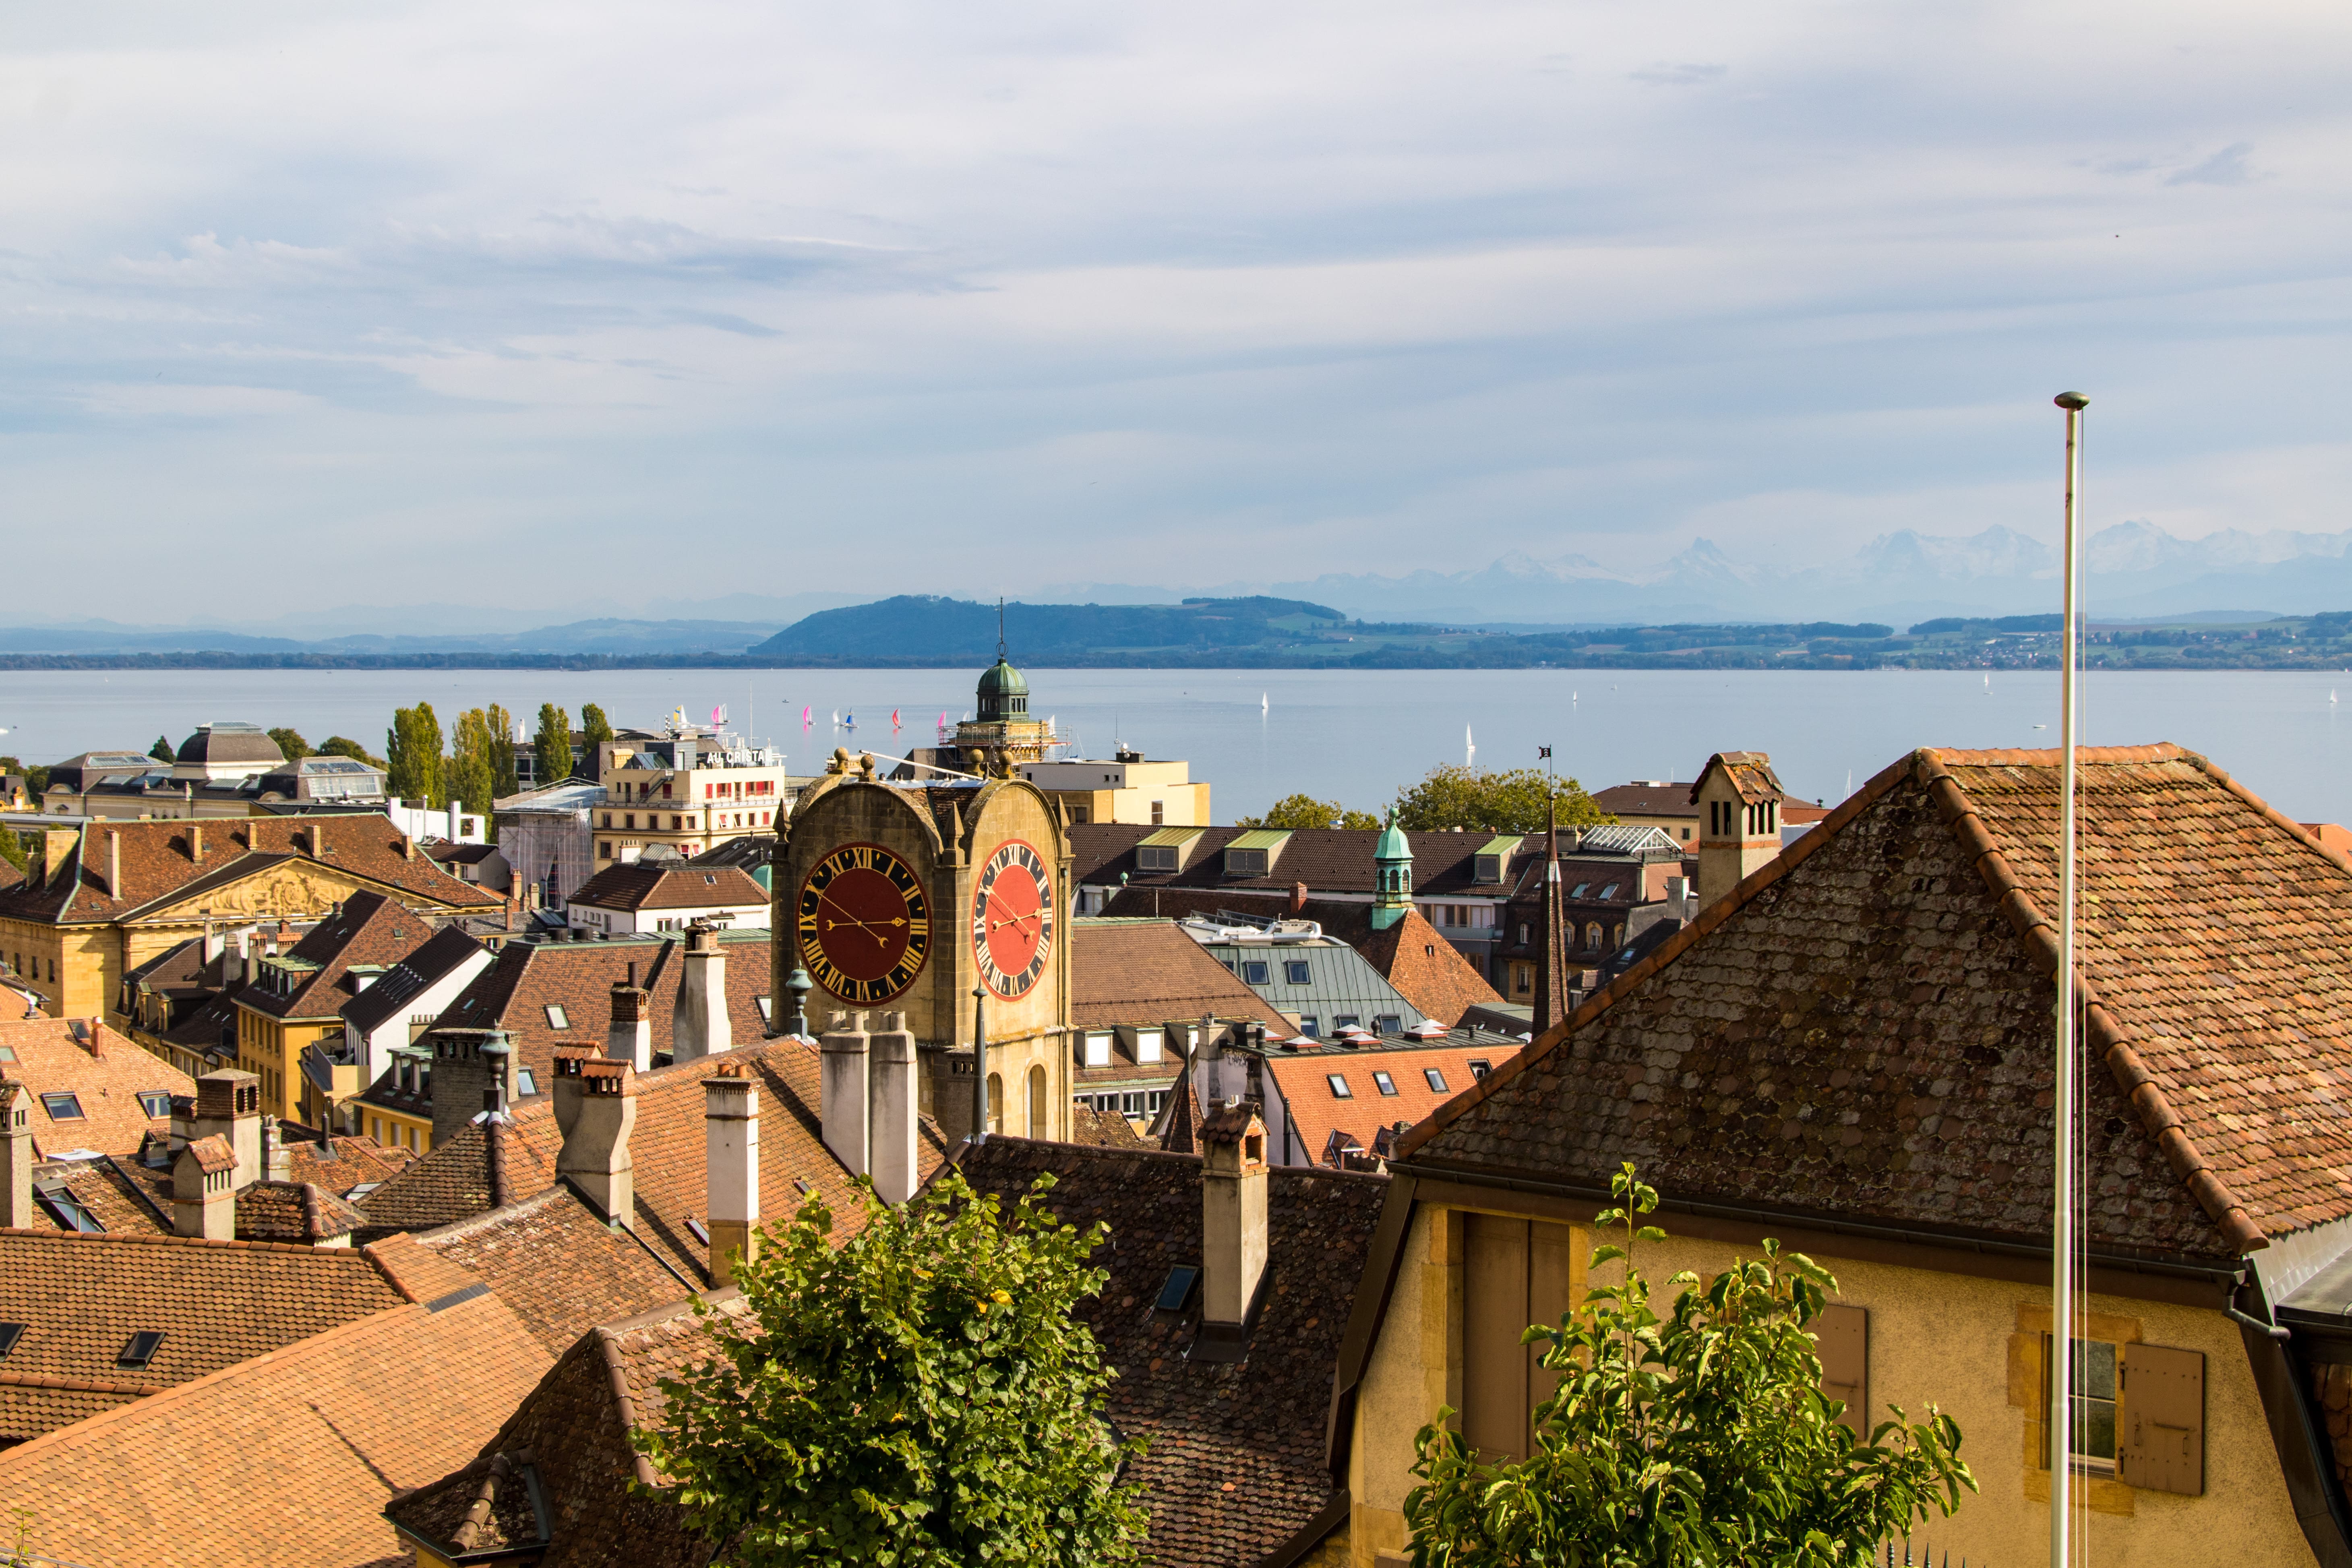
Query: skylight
[[1437, 1080], [141, 1350], [69, 1211], [1387, 1084], [9, 1334], [62, 1106], [557, 1018], [701, 1233], [155, 1102], [1339, 1089], [1178, 1290]]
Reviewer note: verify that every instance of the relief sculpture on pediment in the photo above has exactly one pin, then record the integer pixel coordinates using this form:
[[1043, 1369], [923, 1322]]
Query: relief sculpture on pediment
[[301, 889]]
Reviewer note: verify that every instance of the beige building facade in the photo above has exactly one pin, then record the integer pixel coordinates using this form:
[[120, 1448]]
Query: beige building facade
[[1124, 788]]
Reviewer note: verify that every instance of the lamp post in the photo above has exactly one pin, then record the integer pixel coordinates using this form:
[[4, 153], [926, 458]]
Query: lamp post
[[979, 1064], [2062, 1236]]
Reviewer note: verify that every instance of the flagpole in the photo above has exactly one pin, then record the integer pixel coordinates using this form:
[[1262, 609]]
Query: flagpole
[[2062, 1237]]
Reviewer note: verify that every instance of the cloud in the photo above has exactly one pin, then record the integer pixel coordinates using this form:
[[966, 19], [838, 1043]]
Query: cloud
[[1664, 74], [2227, 167]]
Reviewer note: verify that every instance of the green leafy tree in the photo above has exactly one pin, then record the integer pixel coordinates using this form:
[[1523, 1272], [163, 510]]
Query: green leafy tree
[[472, 772], [503, 782], [344, 746], [1293, 811], [920, 1395], [552, 749], [1700, 1439], [162, 750], [595, 729], [412, 750], [291, 743], [1507, 802]]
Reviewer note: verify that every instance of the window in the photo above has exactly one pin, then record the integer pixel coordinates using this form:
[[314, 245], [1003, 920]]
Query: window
[[9, 1334], [69, 1211], [1307, 1025], [1295, 971], [1388, 1024], [1609, 891], [155, 1102], [1523, 979], [1147, 1045], [1159, 813], [1386, 1084], [1156, 1100], [1155, 857], [2092, 1404], [1346, 1021], [1177, 1293], [1480, 1067], [604, 848], [1523, 934], [767, 1006], [526, 1082], [1580, 886], [141, 1350], [557, 1018], [7, 1053], [1244, 862], [61, 1107], [1593, 935], [1098, 1049], [702, 1233], [1437, 1080], [1339, 1089], [1254, 972], [1131, 1104], [608, 819]]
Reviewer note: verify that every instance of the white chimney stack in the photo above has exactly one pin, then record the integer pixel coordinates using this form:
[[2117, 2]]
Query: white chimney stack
[[891, 1110], [630, 1038], [595, 1157], [1232, 1212], [842, 1091], [16, 1145], [228, 1105], [731, 1168], [701, 1027], [204, 1190]]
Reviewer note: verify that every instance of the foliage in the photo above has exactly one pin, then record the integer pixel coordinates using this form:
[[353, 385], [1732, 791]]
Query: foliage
[[502, 758], [412, 749], [552, 749], [1294, 811], [920, 1397], [292, 744], [1511, 801], [162, 750], [472, 771], [12, 848], [344, 746], [1700, 1440], [595, 728], [36, 779]]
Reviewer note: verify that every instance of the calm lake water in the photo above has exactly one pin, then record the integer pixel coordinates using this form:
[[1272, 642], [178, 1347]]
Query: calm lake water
[[1351, 736]]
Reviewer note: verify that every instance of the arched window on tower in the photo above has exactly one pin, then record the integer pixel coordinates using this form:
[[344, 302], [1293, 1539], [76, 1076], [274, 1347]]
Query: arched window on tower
[[996, 1102], [1038, 1127]]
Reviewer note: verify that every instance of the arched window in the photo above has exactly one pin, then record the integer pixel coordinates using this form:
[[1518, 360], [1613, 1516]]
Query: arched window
[[996, 1102], [1592, 935], [1038, 1128]]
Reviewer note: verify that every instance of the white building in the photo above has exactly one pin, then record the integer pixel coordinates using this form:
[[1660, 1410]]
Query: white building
[[622, 900]]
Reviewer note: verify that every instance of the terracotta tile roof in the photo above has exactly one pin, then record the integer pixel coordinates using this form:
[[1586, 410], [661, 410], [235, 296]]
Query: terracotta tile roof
[[294, 1211], [417, 968], [1750, 773], [618, 887], [160, 866], [1429, 970], [1661, 799], [369, 929], [342, 1163], [1327, 859], [1862, 1029], [106, 1077], [668, 1147], [1103, 1129], [1315, 1112], [216, 1302], [328, 1427], [131, 1199], [561, 1268], [1147, 972], [122, 1195], [1237, 1463]]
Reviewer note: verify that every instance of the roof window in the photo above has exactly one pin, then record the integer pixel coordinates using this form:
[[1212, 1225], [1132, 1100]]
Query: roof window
[[1388, 1024], [1255, 971], [557, 1018], [141, 1350], [7, 1053], [9, 1334], [1437, 1080], [1580, 889], [155, 1102], [1339, 1089], [1609, 891], [1296, 973], [69, 1211], [1177, 1293], [702, 1233], [1480, 1067], [62, 1106], [1387, 1084], [526, 1082], [767, 1006]]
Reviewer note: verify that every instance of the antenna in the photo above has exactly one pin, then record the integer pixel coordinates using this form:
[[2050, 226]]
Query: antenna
[[2064, 1237], [999, 628]]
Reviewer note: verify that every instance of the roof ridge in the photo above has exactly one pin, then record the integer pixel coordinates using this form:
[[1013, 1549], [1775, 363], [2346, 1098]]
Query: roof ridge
[[76, 1385], [608, 1349], [2049, 756], [2130, 1074], [129, 1239]]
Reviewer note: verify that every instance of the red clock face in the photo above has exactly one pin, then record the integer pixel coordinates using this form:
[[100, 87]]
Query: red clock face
[[865, 924], [1013, 919]]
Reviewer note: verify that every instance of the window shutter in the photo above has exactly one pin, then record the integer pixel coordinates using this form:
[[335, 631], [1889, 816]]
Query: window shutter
[[2161, 1435], [1843, 1336], [1494, 1365]]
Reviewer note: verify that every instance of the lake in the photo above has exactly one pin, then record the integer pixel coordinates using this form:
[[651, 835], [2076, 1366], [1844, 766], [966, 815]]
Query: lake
[[1354, 736]]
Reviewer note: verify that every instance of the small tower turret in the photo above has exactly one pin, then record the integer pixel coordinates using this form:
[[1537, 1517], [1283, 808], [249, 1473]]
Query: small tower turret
[[1392, 861]]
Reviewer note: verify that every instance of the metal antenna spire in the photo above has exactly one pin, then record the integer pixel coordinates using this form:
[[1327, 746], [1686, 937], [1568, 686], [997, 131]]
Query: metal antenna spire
[[2064, 1239], [999, 628]]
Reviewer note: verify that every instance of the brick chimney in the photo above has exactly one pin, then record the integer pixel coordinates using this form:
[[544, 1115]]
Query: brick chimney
[[16, 1153], [595, 1156], [468, 1064], [891, 1110], [701, 1027], [1297, 900], [1232, 1212], [842, 1101], [204, 1189], [228, 1106], [730, 1125], [630, 1038]]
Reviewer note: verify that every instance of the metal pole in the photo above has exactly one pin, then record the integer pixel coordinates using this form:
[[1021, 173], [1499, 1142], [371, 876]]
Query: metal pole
[[2062, 1237], [979, 1065]]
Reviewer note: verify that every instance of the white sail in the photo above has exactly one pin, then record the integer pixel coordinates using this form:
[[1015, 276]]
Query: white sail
[[1469, 749]]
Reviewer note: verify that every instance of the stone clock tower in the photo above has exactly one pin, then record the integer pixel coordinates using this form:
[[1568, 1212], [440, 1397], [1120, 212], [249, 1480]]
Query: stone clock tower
[[903, 897]]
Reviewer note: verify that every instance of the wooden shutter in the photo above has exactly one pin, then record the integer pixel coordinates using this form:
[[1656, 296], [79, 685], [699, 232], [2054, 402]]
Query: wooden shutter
[[1516, 1272], [1551, 1294], [2160, 1428], [1843, 1333]]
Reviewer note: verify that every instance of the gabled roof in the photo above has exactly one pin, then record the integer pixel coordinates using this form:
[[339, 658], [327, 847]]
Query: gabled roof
[[1646, 797], [1316, 1111], [215, 1302], [1149, 971], [1323, 859], [340, 1163], [680, 887], [105, 1074], [1862, 1030], [1235, 1466], [321, 1432], [162, 868], [1750, 773], [369, 929], [419, 969], [1427, 970]]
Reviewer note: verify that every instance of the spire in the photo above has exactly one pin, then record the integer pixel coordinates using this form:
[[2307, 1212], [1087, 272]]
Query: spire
[[1552, 980], [1392, 870], [999, 628]]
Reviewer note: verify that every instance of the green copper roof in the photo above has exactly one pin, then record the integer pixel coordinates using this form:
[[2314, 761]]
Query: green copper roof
[[1001, 680], [1393, 845], [1260, 838], [1160, 837]]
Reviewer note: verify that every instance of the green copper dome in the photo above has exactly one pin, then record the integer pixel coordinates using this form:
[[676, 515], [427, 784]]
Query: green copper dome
[[1392, 862], [1003, 694], [1393, 845]]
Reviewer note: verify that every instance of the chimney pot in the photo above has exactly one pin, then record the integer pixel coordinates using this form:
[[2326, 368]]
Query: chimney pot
[[1232, 1211], [701, 1027], [731, 1169], [892, 1110], [16, 1153], [630, 1036], [843, 1092], [595, 1153]]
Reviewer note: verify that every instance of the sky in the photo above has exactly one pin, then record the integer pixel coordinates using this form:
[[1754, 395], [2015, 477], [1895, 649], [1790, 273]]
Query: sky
[[537, 307]]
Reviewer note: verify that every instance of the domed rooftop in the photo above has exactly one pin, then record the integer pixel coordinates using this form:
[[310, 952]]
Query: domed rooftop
[[1394, 844], [1003, 693], [231, 743]]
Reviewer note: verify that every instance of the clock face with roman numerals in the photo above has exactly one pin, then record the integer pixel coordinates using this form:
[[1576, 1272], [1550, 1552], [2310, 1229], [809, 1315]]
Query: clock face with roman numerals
[[865, 924], [1013, 919]]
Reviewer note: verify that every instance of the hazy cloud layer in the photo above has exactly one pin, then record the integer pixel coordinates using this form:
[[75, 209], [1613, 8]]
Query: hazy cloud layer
[[524, 305]]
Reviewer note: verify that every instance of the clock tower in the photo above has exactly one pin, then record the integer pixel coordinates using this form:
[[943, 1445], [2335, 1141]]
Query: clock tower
[[903, 897]]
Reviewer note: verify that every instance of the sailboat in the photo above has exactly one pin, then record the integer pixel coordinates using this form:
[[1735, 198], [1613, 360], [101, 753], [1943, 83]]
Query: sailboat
[[1987, 685], [1469, 749], [1261, 704], [893, 721], [2331, 697], [850, 722], [806, 719]]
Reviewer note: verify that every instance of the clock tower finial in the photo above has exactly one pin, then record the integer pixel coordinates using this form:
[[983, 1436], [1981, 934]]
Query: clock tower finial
[[999, 628]]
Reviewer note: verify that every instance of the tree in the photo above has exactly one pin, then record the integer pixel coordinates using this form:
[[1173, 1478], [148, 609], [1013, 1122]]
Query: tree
[[595, 729], [291, 743], [1293, 811], [552, 749], [1480, 798], [503, 782], [922, 1396], [472, 773], [344, 746], [1702, 1438], [162, 750], [412, 749]]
